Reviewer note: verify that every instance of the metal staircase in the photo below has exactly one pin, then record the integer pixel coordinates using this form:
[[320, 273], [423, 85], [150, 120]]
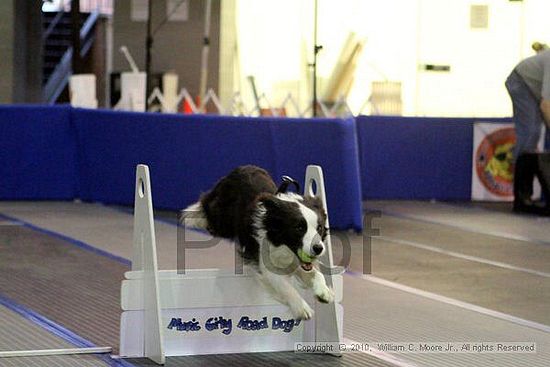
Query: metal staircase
[[58, 51]]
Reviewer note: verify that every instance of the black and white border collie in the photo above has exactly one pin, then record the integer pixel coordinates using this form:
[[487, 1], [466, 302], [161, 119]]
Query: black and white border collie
[[281, 234]]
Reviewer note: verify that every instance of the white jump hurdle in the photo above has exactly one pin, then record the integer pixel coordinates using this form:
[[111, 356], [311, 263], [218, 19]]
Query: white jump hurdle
[[211, 311]]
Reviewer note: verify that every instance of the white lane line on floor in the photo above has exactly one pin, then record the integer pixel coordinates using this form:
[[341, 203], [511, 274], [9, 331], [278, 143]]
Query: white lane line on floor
[[455, 302], [500, 234], [462, 256], [55, 352], [382, 355], [7, 223]]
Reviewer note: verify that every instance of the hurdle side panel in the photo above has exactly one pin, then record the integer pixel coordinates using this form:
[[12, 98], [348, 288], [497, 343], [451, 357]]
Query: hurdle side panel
[[213, 341], [328, 326], [145, 259]]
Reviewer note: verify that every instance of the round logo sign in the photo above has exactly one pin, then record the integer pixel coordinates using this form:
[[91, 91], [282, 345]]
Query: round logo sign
[[494, 162]]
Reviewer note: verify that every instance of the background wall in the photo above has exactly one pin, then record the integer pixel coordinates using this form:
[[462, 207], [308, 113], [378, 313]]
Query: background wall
[[20, 51], [177, 45], [6, 50], [401, 37], [480, 58]]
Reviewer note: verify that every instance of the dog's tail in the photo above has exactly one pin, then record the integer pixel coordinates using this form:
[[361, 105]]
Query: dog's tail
[[194, 217]]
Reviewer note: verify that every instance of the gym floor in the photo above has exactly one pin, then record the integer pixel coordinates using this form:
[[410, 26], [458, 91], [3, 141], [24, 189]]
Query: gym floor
[[440, 272]]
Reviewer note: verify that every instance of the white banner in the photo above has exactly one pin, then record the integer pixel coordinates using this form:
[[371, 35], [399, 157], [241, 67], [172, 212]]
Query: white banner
[[492, 166], [492, 162]]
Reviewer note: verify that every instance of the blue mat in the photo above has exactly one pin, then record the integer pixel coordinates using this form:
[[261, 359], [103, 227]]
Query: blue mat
[[61, 153], [188, 154], [37, 153], [414, 158]]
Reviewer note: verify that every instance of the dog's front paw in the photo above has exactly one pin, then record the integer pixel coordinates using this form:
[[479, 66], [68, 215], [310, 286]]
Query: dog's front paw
[[325, 295], [301, 310]]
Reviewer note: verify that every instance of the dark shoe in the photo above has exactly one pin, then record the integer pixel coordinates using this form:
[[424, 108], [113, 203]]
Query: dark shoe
[[531, 207]]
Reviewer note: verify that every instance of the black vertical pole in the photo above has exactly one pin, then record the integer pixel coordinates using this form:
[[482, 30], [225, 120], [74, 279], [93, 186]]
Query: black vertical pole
[[316, 49], [75, 36], [148, 47]]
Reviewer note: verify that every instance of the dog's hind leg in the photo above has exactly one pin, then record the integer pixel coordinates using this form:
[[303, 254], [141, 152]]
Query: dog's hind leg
[[194, 217], [315, 280]]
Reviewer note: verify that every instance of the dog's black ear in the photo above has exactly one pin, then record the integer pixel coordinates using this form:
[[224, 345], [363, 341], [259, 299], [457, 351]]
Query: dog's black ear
[[276, 207], [276, 215], [270, 201]]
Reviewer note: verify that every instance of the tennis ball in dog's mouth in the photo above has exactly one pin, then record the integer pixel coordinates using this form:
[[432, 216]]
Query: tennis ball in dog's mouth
[[304, 257]]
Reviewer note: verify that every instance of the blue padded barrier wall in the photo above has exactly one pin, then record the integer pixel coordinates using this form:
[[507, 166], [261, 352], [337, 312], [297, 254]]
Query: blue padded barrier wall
[[416, 158], [37, 153], [188, 154], [60, 153]]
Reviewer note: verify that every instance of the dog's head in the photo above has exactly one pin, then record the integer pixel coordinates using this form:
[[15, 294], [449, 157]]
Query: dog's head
[[294, 221]]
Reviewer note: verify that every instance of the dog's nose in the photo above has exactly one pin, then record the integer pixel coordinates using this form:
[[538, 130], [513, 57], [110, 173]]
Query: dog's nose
[[317, 248]]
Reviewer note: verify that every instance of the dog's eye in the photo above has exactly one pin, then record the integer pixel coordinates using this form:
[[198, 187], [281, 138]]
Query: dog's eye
[[301, 226]]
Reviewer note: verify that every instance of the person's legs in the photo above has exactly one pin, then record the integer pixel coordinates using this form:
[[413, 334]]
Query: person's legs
[[525, 170], [543, 174], [547, 139], [527, 115], [528, 166]]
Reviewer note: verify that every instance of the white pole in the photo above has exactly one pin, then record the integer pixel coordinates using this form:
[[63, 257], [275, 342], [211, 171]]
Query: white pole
[[55, 352], [204, 60], [130, 59]]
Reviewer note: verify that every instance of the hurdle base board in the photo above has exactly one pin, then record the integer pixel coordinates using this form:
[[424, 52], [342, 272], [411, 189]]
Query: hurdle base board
[[218, 289], [203, 342]]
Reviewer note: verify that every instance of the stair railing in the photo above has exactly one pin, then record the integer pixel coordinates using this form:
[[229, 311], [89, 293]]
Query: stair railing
[[60, 77], [52, 25]]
